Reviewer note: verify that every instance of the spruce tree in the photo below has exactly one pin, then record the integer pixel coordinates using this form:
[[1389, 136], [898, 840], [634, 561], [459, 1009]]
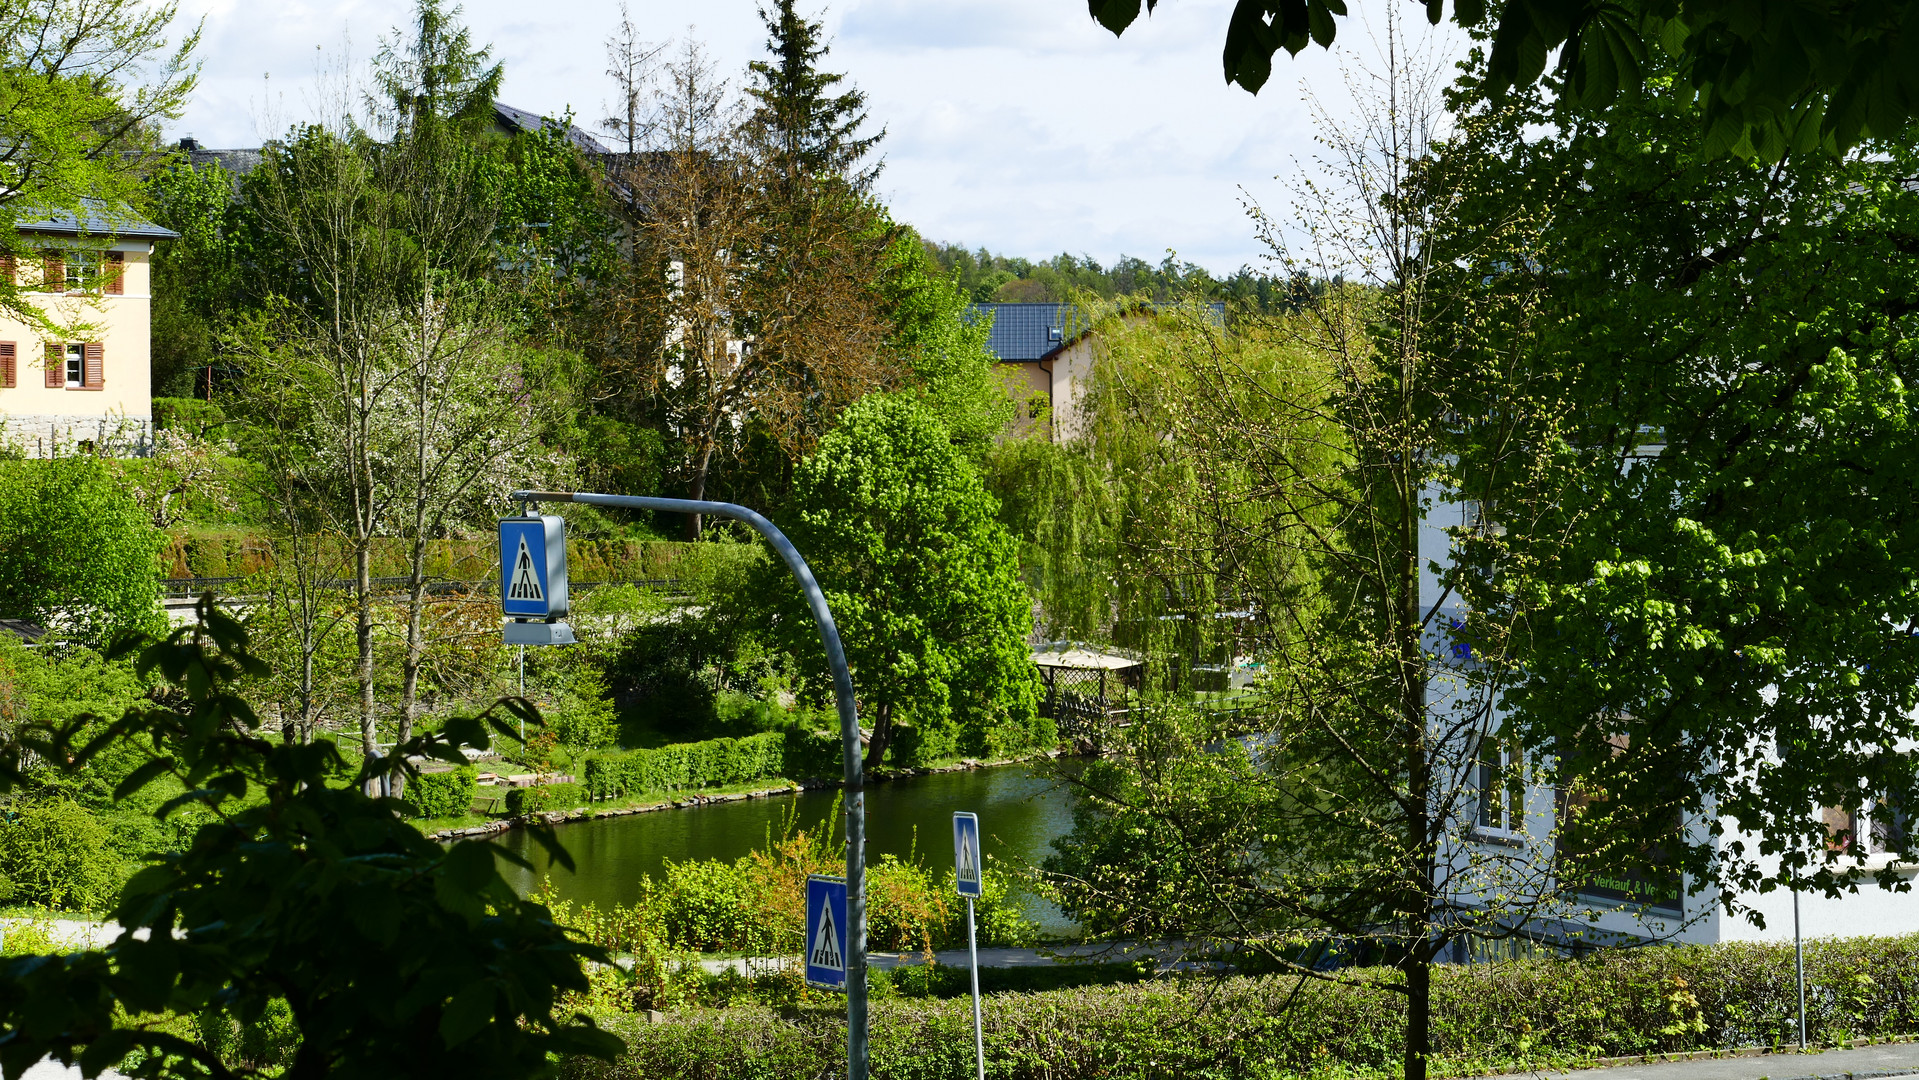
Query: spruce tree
[[808, 129], [434, 72]]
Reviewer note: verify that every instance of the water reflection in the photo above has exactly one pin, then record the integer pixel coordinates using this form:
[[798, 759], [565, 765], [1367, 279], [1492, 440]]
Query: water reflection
[[1021, 814]]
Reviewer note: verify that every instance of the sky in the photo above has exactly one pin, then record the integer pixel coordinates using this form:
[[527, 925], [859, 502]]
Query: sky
[[1021, 126]]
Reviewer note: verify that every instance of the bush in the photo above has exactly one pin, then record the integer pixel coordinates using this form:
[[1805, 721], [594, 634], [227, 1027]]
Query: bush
[[57, 854], [686, 766], [544, 797], [202, 418], [585, 718], [443, 794], [1486, 1018], [813, 754], [76, 552]]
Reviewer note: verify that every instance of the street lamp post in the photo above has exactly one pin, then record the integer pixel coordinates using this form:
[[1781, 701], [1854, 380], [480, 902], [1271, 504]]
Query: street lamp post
[[849, 730]]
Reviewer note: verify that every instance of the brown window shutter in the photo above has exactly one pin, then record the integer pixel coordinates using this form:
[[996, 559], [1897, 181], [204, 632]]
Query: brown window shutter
[[6, 266], [9, 365], [115, 268], [56, 273], [56, 365], [95, 369]]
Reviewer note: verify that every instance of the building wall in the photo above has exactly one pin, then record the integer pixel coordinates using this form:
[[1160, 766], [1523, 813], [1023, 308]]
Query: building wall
[[1072, 378], [1030, 385], [38, 418]]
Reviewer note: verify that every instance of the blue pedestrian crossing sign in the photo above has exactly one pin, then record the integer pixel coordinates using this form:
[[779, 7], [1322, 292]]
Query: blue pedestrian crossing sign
[[825, 932], [533, 567], [966, 854]]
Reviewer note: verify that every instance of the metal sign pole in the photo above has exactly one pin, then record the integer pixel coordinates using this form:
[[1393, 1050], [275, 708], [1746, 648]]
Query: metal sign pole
[[969, 880], [849, 731], [1798, 958], [972, 955]]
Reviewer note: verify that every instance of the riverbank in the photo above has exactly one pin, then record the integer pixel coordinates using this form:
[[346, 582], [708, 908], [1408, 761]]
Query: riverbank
[[473, 826]]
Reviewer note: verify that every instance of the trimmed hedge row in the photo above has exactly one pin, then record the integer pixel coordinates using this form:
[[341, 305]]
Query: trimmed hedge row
[[689, 766], [443, 794], [1525, 1014], [544, 797], [212, 552]]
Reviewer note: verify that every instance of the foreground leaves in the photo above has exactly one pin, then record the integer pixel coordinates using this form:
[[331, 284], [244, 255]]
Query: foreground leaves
[[395, 955]]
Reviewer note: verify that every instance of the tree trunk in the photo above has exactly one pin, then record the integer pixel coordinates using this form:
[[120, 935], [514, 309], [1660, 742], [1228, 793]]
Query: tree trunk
[[415, 646], [363, 636], [882, 735], [1419, 1007], [701, 463]]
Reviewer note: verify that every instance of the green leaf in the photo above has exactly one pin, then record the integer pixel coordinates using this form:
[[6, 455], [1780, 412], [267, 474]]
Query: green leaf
[[542, 834], [1323, 25], [467, 1014], [141, 777]]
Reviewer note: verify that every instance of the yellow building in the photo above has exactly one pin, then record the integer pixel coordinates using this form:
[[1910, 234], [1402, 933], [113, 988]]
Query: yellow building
[[91, 382]]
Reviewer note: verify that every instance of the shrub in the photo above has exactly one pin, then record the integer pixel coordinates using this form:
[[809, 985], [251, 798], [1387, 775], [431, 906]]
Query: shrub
[[57, 854], [585, 718], [813, 754], [713, 906], [78, 551], [202, 418], [544, 797], [1486, 1018], [686, 766], [443, 794]]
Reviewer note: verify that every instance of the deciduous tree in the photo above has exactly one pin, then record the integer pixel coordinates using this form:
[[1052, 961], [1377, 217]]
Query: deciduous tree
[[83, 86], [923, 582], [1724, 638], [1786, 78]]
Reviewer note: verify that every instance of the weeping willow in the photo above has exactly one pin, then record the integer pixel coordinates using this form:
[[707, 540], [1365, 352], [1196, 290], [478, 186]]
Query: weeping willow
[[1173, 525]]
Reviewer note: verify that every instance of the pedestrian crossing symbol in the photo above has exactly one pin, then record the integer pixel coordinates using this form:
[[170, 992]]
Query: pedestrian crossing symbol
[[525, 582], [826, 942], [826, 932], [966, 854], [533, 567]]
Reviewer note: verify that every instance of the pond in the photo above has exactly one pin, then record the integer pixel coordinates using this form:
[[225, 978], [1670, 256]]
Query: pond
[[1021, 813]]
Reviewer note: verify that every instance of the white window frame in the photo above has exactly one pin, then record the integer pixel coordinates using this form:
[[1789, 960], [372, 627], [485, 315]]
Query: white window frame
[[1499, 805]]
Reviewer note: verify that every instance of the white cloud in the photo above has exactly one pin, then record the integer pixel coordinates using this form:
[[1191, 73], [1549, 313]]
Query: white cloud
[[1018, 125]]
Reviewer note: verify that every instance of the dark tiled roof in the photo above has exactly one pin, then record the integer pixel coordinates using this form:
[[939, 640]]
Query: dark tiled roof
[[515, 119], [237, 162], [22, 629], [1031, 331], [1037, 331], [94, 220]]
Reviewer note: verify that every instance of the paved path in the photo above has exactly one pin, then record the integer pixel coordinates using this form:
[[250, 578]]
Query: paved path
[[1891, 1059]]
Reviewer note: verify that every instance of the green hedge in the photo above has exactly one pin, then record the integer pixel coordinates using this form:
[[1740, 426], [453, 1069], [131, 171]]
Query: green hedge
[[238, 552], [813, 754], [443, 794], [686, 766], [1486, 1018], [544, 797]]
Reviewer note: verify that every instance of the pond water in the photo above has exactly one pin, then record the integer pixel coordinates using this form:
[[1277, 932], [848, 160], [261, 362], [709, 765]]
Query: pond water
[[1021, 813]]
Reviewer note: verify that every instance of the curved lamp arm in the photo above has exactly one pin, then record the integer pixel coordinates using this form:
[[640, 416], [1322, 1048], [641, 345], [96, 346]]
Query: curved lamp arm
[[849, 729]]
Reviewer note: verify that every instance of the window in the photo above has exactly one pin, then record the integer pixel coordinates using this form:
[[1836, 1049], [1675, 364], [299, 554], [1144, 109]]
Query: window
[[1501, 770], [82, 270], [1878, 829], [76, 365], [1888, 826]]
